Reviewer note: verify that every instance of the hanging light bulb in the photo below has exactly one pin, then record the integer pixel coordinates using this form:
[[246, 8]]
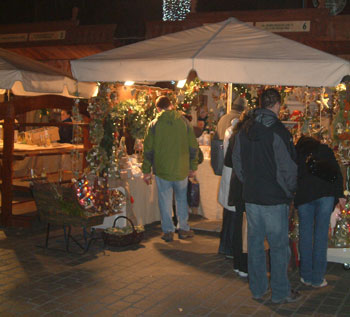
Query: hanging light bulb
[[181, 83]]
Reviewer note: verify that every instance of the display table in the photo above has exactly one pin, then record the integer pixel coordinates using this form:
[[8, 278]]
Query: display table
[[33, 157], [145, 198], [144, 209], [338, 255], [209, 187]]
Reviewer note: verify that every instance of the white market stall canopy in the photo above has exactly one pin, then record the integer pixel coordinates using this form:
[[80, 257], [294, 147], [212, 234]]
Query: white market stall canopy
[[229, 51], [27, 77]]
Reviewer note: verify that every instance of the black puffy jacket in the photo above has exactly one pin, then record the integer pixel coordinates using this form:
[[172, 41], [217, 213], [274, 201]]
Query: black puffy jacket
[[311, 187], [264, 159]]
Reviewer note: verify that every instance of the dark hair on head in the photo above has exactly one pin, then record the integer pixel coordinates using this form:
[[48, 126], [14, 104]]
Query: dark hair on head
[[162, 102], [270, 97], [306, 144], [247, 120], [69, 112]]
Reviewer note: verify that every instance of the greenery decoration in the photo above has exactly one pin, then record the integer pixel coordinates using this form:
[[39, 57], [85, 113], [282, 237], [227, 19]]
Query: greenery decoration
[[250, 93], [77, 138], [188, 97], [134, 115], [102, 156], [341, 122]]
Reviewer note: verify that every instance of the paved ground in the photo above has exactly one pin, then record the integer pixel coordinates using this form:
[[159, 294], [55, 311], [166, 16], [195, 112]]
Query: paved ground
[[183, 278]]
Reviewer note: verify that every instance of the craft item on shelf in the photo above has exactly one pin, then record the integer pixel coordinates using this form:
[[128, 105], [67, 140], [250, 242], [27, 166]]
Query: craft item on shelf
[[42, 137]]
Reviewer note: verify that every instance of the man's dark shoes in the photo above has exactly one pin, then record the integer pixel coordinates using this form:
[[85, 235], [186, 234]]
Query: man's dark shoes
[[168, 236], [184, 234], [292, 298]]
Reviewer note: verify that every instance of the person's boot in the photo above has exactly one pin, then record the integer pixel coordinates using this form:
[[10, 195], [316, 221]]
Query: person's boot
[[183, 234], [168, 236]]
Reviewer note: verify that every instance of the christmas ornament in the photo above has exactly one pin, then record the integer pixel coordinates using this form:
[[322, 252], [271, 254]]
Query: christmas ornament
[[116, 200], [83, 189], [341, 233]]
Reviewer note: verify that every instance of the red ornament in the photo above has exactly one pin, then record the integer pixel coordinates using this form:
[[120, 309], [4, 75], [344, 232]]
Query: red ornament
[[296, 115]]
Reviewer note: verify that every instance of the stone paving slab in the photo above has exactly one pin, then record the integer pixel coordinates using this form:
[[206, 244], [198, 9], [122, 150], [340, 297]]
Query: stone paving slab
[[182, 278]]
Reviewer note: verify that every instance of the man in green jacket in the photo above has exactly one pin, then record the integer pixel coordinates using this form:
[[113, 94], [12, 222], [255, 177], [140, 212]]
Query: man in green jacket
[[171, 151]]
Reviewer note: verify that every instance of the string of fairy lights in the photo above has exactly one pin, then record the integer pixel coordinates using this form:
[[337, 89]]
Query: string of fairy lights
[[176, 10]]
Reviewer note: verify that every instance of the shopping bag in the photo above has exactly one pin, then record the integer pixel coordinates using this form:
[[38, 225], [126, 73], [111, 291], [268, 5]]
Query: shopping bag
[[217, 156], [193, 194]]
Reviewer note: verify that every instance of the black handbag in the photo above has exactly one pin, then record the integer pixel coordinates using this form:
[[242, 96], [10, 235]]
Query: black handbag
[[235, 194], [193, 193], [217, 155], [321, 168]]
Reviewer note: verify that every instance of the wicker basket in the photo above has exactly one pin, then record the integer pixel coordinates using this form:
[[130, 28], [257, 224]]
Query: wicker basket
[[122, 240], [50, 209]]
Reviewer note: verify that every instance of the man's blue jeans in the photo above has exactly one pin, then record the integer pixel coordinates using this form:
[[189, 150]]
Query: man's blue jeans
[[165, 203], [313, 238], [270, 222]]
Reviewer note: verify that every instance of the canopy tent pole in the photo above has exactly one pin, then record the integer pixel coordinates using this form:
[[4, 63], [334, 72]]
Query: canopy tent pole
[[229, 98], [7, 168]]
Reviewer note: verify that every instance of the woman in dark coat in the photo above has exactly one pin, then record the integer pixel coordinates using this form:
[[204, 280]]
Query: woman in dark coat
[[240, 258], [320, 188]]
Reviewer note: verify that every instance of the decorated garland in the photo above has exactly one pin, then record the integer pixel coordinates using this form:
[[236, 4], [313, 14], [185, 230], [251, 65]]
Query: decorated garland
[[134, 116], [189, 97], [341, 125], [102, 156]]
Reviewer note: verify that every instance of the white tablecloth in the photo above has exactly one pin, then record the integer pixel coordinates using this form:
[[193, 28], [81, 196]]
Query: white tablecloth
[[209, 187], [145, 198], [338, 255]]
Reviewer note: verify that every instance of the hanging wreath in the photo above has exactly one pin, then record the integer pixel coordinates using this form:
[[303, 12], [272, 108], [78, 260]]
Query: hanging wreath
[[188, 97]]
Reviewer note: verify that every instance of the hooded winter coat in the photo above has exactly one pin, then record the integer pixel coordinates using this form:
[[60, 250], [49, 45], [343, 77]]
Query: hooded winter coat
[[170, 147], [264, 160]]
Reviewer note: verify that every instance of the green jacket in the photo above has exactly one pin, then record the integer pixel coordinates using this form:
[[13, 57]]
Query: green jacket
[[170, 147]]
